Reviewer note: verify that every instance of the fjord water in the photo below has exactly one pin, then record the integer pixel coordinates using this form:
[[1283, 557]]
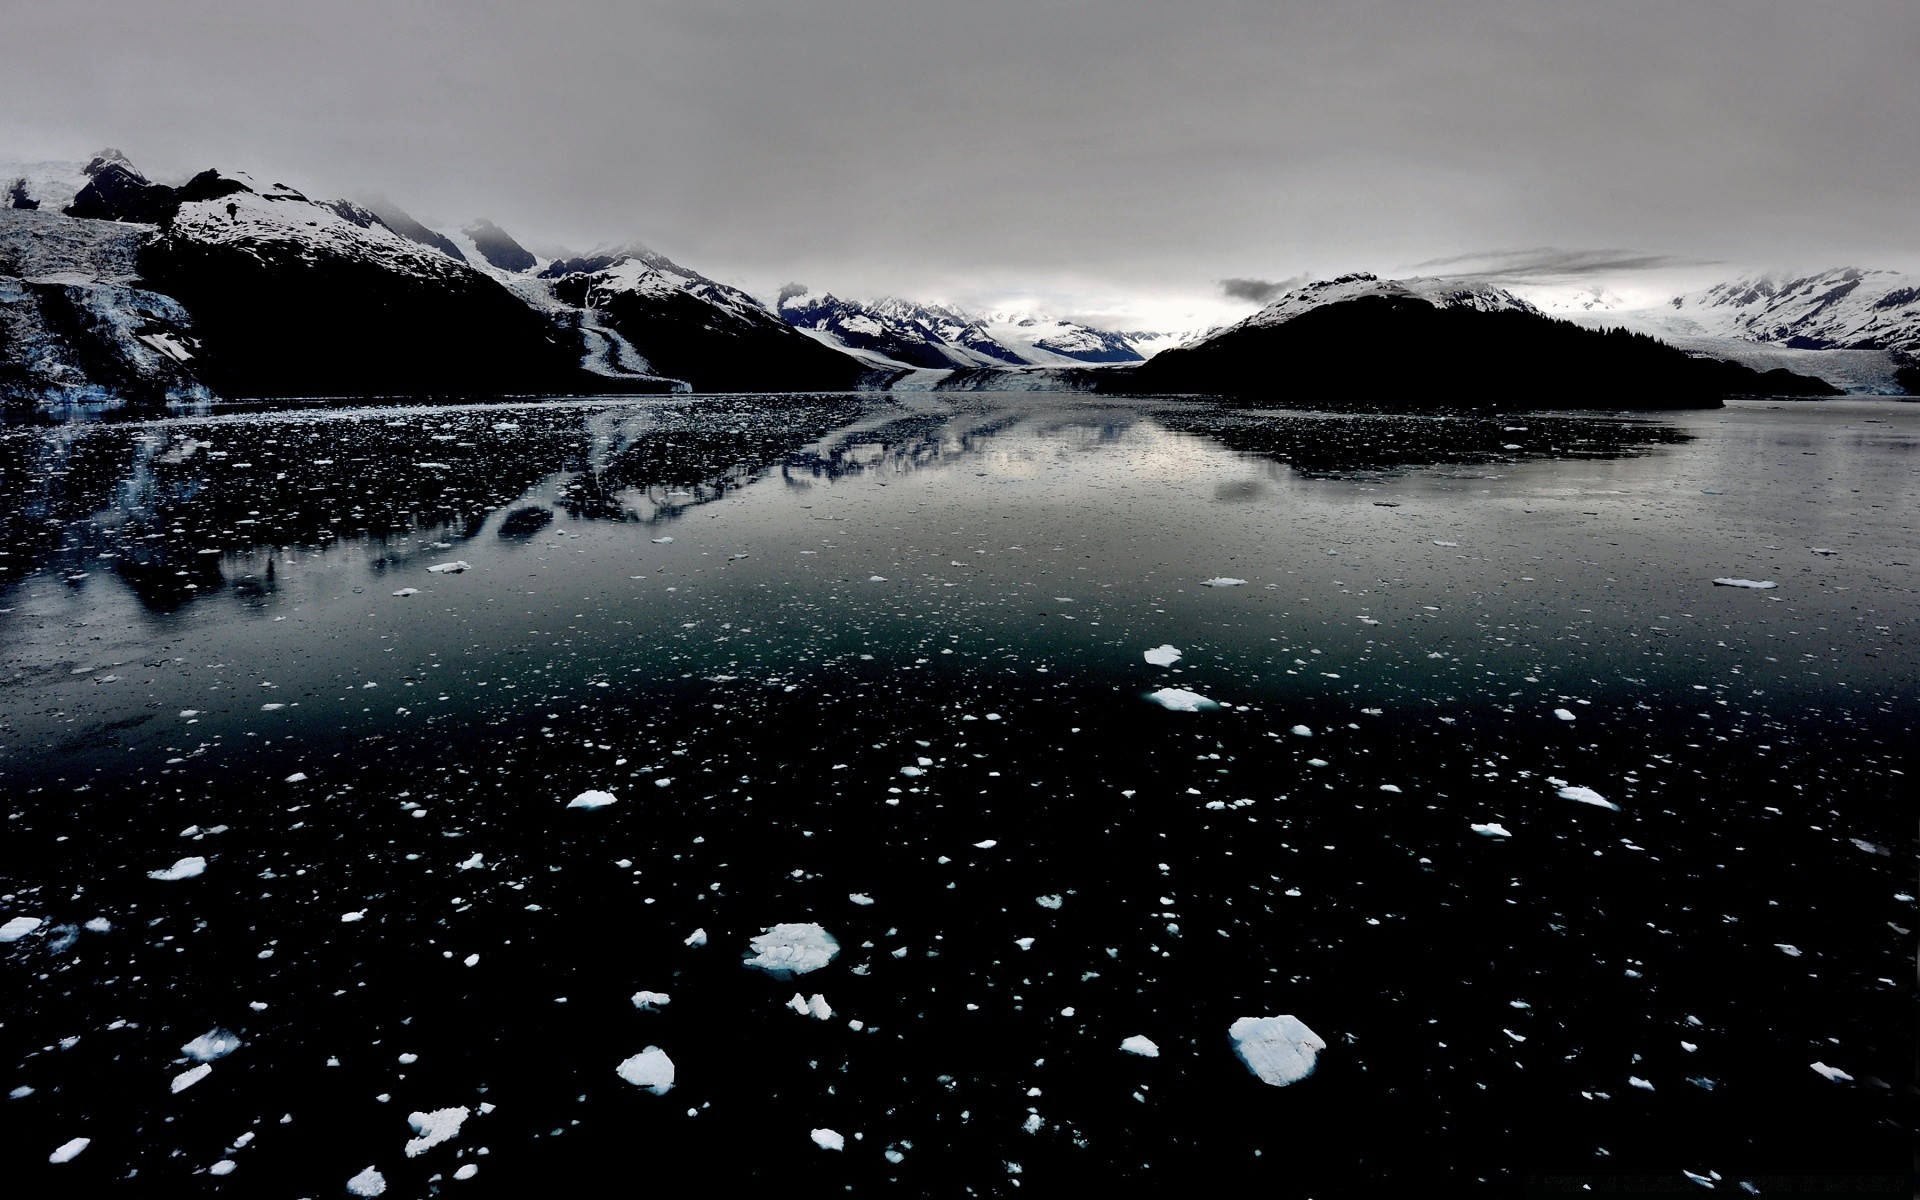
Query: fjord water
[[878, 663]]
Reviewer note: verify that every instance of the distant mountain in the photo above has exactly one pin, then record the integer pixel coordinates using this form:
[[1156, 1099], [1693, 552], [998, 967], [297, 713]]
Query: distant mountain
[[1858, 329], [902, 333], [497, 247], [1422, 342]]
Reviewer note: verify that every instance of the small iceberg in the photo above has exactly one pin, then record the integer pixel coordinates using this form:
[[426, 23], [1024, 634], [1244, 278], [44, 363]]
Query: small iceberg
[[1583, 795], [592, 799], [450, 568], [18, 928], [793, 949], [1142, 1045], [1491, 829], [1222, 581], [434, 1127], [186, 868], [827, 1139], [1181, 700], [211, 1046], [1163, 656], [1761, 584], [1278, 1050], [650, 1069]]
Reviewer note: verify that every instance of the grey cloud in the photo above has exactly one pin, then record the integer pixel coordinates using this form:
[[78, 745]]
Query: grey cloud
[[1096, 149], [1548, 264]]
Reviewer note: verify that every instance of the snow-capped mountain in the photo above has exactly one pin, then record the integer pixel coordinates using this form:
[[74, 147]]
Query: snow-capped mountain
[[1841, 309], [1436, 292], [690, 327], [901, 333]]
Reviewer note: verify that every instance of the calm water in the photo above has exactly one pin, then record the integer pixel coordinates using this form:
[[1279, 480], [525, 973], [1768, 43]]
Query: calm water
[[879, 664]]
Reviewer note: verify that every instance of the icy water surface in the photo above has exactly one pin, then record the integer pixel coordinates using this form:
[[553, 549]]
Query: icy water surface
[[1078, 729]]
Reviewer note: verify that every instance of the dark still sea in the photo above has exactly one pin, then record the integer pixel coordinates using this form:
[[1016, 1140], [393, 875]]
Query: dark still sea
[[917, 796]]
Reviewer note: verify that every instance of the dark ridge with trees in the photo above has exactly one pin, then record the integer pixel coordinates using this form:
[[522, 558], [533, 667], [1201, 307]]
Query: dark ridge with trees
[[1404, 353], [273, 322]]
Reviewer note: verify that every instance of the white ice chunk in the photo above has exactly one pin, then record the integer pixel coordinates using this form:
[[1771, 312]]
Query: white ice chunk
[[1278, 1050], [211, 1046], [68, 1151], [1833, 1073], [650, 1069], [1163, 656], [408, 592], [1563, 714], [18, 928], [860, 898], [1302, 731], [696, 939], [591, 799], [1587, 796], [367, 1183], [1491, 829], [450, 568], [468, 1171], [1142, 1045], [649, 1001], [827, 1139], [793, 949], [1181, 700], [191, 1076], [186, 868], [1048, 901], [1761, 584], [435, 1127], [1222, 581]]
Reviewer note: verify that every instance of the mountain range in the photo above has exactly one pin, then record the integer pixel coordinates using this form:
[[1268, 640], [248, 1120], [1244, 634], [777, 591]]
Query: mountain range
[[116, 287]]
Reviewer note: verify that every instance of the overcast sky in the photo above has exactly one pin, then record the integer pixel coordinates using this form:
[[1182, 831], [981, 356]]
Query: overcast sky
[[1113, 158]]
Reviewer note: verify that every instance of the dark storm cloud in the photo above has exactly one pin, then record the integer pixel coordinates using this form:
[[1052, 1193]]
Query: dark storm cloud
[[1074, 148], [1258, 291]]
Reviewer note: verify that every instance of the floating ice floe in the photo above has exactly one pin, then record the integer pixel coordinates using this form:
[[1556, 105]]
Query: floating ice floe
[[1278, 1050], [1491, 829], [190, 1076], [69, 1150], [186, 868], [1822, 550], [435, 1127], [662, 541], [696, 939], [225, 1166], [1181, 700], [1563, 714], [211, 1046], [651, 1001], [1789, 951], [297, 777], [408, 592], [1761, 584], [793, 949], [1142, 1045], [1222, 581], [1163, 656], [860, 898], [650, 1069], [1835, 1074], [816, 1007], [451, 568], [1301, 731], [1584, 795], [592, 799], [827, 1139], [18, 928], [1048, 901], [1437, 542], [367, 1183]]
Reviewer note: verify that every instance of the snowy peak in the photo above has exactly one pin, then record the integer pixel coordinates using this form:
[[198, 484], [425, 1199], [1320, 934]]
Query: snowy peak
[[498, 248], [1438, 292], [1844, 308], [401, 222]]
